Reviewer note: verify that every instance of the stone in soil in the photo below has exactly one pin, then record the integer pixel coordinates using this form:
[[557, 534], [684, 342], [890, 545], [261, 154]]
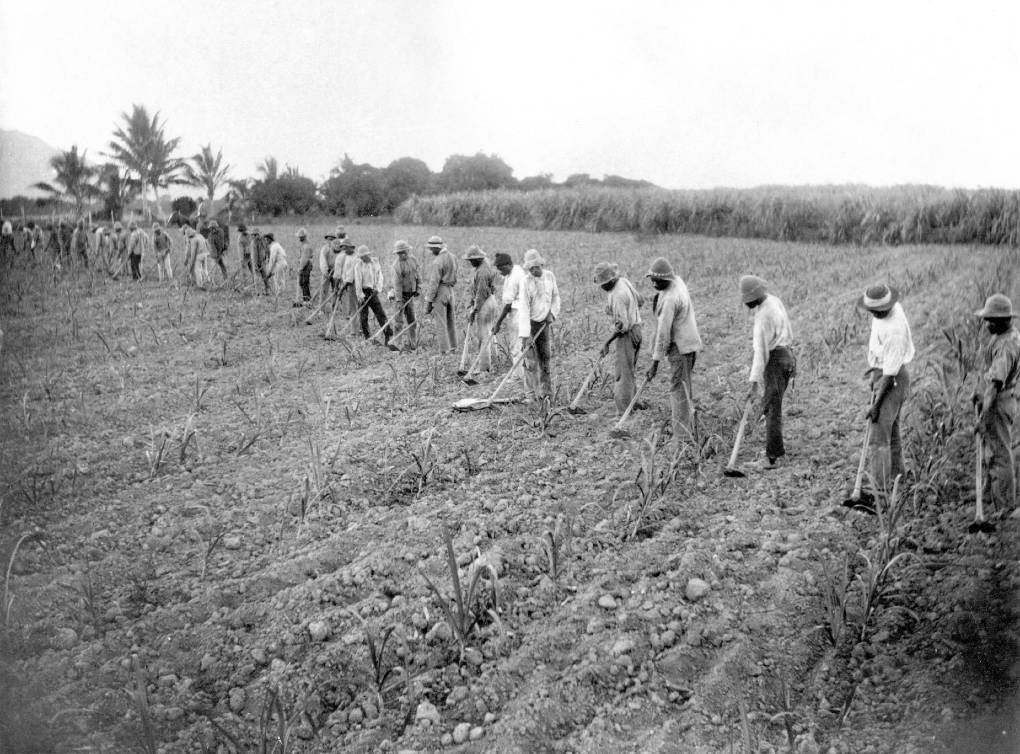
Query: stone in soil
[[318, 630], [607, 601], [461, 733], [696, 589], [427, 712]]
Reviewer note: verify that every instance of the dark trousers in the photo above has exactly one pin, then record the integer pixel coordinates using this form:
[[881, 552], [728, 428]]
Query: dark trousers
[[304, 280], [136, 266], [372, 302], [406, 312], [780, 369], [538, 373]]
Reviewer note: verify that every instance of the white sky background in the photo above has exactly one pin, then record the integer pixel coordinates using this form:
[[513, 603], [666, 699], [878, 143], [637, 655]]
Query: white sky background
[[687, 95]]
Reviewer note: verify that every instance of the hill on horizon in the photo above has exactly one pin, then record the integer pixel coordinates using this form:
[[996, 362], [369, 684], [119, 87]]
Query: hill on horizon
[[24, 160]]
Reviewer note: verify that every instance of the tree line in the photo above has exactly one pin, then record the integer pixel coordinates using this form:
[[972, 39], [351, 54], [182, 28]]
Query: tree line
[[141, 159]]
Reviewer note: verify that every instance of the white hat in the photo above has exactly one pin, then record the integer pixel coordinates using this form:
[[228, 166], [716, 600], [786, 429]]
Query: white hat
[[532, 259]]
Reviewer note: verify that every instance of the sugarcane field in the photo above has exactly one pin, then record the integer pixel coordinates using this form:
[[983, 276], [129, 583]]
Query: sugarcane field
[[232, 522]]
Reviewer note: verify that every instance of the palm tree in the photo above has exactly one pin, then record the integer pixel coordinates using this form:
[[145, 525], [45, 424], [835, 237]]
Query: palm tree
[[237, 197], [207, 171], [270, 169], [141, 146], [75, 178], [117, 189]]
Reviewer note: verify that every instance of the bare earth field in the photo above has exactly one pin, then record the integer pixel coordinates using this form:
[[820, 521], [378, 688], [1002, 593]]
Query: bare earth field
[[231, 521]]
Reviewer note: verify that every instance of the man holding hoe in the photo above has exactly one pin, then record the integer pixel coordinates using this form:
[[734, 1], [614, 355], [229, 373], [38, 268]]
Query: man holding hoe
[[623, 307], [406, 281], [539, 308], [442, 277], [482, 309]]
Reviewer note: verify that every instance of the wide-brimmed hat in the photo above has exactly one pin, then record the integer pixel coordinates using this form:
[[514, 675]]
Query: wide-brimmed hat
[[879, 298], [363, 251], [155, 226], [340, 231], [997, 306], [242, 228], [117, 225], [401, 246], [302, 233], [270, 235], [132, 225], [474, 252], [345, 243], [606, 272], [661, 269], [501, 259], [435, 242], [330, 236], [752, 288], [532, 259], [213, 224]]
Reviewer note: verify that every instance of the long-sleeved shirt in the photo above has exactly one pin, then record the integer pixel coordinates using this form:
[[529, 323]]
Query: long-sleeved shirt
[[890, 345], [540, 297], [512, 287], [343, 268], [406, 278], [624, 304], [135, 243], [277, 258], [161, 243], [771, 330], [442, 272], [676, 322], [1003, 358], [367, 274], [483, 285]]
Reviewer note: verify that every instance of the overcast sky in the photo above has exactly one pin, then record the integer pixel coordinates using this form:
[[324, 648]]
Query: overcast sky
[[687, 95]]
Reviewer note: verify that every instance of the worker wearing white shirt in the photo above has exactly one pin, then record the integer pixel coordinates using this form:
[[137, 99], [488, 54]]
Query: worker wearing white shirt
[[890, 349], [277, 267], [343, 274], [513, 276], [368, 281], [773, 364], [539, 308]]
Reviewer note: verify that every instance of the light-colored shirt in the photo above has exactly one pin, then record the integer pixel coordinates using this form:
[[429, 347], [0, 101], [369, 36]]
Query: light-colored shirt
[[676, 322], [540, 297], [891, 345], [327, 257], [161, 242], [367, 275], [442, 272], [512, 286], [277, 258], [343, 267], [624, 304], [405, 274], [771, 330], [483, 285], [1003, 358], [304, 254], [136, 242]]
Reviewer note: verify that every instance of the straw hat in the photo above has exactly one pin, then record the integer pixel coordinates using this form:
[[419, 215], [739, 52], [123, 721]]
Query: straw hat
[[345, 243], [269, 235], [401, 247], [606, 272], [302, 233], [435, 242], [997, 306], [752, 288], [532, 259], [363, 251], [475, 252], [340, 231], [661, 269], [879, 298]]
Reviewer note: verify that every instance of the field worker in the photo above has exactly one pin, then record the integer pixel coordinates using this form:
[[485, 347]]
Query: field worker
[[623, 307], [64, 234], [343, 276], [676, 339], [368, 281], [442, 277], [118, 249], [135, 249], [197, 257], [244, 249], [513, 277], [406, 282], [304, 265], [482, 310], [890, 349], [277, 269], [7, 240], [327, 258], [539, 305], [35, 237], [997, 406], [52, 242], [217, 245], [772, 364], [260, 255], [79, 242], [162, 246]]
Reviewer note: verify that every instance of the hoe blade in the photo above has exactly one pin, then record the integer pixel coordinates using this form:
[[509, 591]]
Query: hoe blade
[[737, 473], [982, 527]]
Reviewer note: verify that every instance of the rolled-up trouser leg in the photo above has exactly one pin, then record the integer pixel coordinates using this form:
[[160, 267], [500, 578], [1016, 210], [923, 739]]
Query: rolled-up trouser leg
[[778, 371], [627, 347], [680, 395], [997, 432], [886, 446]]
